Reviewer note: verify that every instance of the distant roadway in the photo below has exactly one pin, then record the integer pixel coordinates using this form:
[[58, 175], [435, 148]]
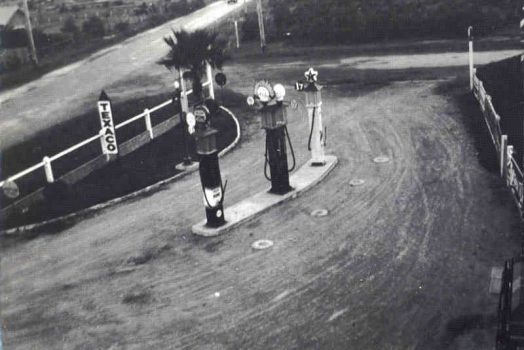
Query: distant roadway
[[63, 93]]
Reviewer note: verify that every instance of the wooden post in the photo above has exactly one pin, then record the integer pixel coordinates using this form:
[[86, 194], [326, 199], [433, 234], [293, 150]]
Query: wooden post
[[29, 30], [261, 25], [471, 62], [48, 170], [236, 34], [149, 127], [503, 155]]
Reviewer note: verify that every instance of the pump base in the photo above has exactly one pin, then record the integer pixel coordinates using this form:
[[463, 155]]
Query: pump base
[[280, 190]]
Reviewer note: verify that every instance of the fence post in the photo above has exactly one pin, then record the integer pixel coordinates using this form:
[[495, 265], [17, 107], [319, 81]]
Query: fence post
[[209, 73], [503, 155], [48, 170], [471, 63], [149, 127]]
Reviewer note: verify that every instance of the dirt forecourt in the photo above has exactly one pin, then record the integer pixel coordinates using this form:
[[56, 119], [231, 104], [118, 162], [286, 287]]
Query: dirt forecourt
[[401, 262]]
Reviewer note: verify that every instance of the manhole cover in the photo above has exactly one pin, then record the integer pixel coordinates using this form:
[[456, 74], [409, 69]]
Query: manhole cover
[[319, 213], [356, 182], [381, 159], [262, 244]]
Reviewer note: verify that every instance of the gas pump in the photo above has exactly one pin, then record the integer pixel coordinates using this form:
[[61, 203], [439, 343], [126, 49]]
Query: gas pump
[[269, 100], [199, 124], [317, 135]]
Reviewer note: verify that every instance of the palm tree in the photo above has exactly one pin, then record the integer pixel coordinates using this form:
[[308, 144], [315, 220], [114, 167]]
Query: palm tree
[[191, 51]]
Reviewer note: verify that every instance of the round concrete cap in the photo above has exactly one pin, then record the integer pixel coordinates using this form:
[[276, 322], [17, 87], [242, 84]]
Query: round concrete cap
[[319, 212], [356, 182], [262, 244], [381, 159]]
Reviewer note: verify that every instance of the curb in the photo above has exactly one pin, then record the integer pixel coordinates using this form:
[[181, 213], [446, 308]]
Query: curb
[[111, 202]]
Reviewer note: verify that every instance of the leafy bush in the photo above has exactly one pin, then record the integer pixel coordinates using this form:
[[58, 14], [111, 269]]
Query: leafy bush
[[71, 28], [123, 28], [12, 62], [94, 27]]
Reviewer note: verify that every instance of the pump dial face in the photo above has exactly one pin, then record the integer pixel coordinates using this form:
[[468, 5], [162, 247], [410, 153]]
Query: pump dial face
[[201, 114]]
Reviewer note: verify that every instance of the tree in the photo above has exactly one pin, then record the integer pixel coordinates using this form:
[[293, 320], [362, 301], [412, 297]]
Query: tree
[[94, 27], [191, 51]]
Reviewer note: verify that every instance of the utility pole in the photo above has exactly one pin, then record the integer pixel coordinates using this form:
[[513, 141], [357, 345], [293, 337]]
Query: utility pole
[[260, 14], [29, 30]]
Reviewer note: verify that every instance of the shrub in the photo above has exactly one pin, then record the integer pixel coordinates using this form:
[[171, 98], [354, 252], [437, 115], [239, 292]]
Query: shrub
[[71, 28], [94, 27], [123, 28]]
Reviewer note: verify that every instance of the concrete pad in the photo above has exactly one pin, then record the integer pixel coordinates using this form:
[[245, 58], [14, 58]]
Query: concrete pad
[[302, 180]]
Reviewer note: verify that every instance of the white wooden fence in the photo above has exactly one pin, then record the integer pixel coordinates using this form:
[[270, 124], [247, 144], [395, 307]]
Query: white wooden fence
[[47, 161], [509, 168]]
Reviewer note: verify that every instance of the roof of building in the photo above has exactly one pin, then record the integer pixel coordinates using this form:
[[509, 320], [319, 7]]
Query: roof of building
[[6, 13]]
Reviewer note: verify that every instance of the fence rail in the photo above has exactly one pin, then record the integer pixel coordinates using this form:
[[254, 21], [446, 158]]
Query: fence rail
[[509, 166], [149, 128]]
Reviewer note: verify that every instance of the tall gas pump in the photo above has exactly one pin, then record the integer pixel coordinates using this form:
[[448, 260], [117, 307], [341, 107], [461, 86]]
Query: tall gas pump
[[199, 124], [269, 101], [317, 135]]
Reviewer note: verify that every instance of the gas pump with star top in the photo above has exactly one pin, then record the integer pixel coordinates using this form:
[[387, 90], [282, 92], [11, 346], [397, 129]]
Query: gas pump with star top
[[269, 101], [199, 125], [317, 134]]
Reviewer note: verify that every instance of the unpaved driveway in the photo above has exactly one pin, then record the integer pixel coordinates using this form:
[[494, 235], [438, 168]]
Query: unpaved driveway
[[402, 262]]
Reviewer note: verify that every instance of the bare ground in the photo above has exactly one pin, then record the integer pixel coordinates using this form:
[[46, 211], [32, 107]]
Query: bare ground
[[402, 262]]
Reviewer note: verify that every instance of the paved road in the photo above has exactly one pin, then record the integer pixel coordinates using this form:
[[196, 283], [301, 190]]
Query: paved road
[[402, 262], [68, 91]]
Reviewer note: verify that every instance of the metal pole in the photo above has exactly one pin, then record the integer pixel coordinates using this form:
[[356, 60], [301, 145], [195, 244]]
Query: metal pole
[[184, 109], [261, 25], [471, 67], [209, 74], [236, 34], [184, 104], [29, 30]]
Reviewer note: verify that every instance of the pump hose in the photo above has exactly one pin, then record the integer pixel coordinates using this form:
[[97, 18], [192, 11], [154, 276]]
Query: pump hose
[[311, 131], [291, 149], [268, 177]]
